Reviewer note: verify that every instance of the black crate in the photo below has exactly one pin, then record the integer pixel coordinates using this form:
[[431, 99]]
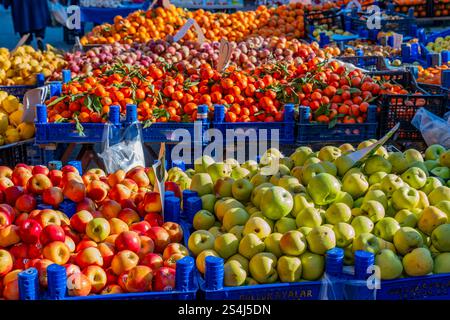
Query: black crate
[[331, 18], [24, 152]]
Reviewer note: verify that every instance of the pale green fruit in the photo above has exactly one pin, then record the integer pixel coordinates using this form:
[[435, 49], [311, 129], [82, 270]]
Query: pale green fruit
[[243, 261], [343, 164], [208, 202], [376, 177], [258, 192], [272, 243], [309, 217], [289, 269], [338, 212], [329, 153], [300, 155], [258, 179], [406, 218], [329, 167], [439, 194], [377, 163], [233, 217], [223, 205], [414, 177], [215, 231], [407, 239], [301, 201], [321, 239], [276, 203], [386, 228], [441, 237], [391, 266], [445, 207], [362, 224], [344, 197], [234, 274], [203, 220], [293, 243], [257, 226], [398, 162], [355, 184], [412, 155], [431, 184], [349, 256], [442, 263], [202, 184], [226, 245], [242, 190], [199, 241], [373, 209], [237, 231], [201, 164], [346, 147], [288, 162], [344, 233], [263, 267], [390, 183], [376, 195], [305, 230], [430, 219], [284, 225], [251, 245], [311, 170], [418, 262], [313, 266]]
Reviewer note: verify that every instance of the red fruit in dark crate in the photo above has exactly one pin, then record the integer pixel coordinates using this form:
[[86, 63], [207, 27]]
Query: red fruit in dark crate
[[128, 240], [55, 177], [152, 260], [172, 186], [160, 237], [52, 233], [40, 170], [141, 227], [30, 231], [11, 194], [154, 218], [164, 279]]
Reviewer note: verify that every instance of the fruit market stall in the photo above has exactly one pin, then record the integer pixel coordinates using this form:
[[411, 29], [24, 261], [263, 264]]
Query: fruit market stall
[[104, 11]]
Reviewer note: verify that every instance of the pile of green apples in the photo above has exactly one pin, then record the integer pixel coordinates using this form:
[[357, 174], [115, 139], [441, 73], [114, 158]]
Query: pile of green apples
[[274, 221], [439, 45]]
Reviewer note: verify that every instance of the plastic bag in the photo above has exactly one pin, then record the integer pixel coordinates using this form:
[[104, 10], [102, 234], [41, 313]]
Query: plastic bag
[[127, 153], [434, 129], [59, 13]]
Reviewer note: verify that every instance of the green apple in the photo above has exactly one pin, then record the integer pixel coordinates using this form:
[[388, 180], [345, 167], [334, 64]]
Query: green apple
[[343, 164], [269, 155], [199, 241], [233, 217], [234, 274], [440, 237], [367, 242], [406, 218], [288, 162], [420, 165], [349, 256], [300, 155], [276, 203], [311, 160], [376, 177], [344, 233], [431, 184], [431, 218], [390, 265], [218, 170], [250, 282], [442, 263], [242, 190], [222, 187], [414, 177], [203, 220], [309, 217], [439, 194], [390, 183], [352, 171], [338, 212], [346, 148], [311, 170], [398, 162], [405, 198], [223, 205], [260, 215], [313, 266], [263, 267], [200, 260], [240, 173], [329, 153], [297, 172], [329, 167], [423, 200], [98, 229], [258, 226], [305, 230], [226, 245], [355, 184], [272, 243], [301, 201], [377, 195], [444, 159], [258, 192], [431, 164], [201, 164], [202, 184], [293, 243], [362, 224], [233, 163], [284, 225], [250, 245], [321, 239], [418, 262], [441, 172], [386, 228], [289, 269], [365, 144], [216, 231], [291, 184], [243, 261], [406, 239], [373, 209], [258, 179], [238, 232], [323, 189], [208, 202], [252, 166], [434, 151], [445, 207], [190, 172], [412, 155], [377, 163]]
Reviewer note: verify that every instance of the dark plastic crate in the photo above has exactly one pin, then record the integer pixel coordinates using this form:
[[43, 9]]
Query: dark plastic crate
[[241, 129], [371, 63], [24, 152], [401, 108], [315, 132], [420, 10]]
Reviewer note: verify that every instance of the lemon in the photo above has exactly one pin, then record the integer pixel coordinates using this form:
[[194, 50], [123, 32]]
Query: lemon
[[26, 130], [10, 104], [3, 122], [12, 135]]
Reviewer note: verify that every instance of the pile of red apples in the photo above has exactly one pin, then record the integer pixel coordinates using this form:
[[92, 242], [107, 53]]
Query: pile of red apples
[[116, 242]]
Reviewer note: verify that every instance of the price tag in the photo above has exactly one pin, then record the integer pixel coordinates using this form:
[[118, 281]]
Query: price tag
[[159, 168], [225, 52], [184, 29]]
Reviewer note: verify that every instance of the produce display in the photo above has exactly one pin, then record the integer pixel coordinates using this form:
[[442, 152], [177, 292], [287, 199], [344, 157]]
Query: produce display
[[22, 66], [420, 7], [432, 75], [12, 129], [439, 45], [116, 242], [370, 49], [329, 31], [277, 228], [101, 3], [441, 8]]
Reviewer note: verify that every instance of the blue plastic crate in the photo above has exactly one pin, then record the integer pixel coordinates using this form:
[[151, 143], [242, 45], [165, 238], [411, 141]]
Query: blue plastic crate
[[164, 131], [20, 90], [330, 287], [341, 132], [241, 129], [185, 287]]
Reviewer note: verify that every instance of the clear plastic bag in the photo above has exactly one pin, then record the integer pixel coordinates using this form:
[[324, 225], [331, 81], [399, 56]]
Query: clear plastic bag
[[434, 130], [127, 153]]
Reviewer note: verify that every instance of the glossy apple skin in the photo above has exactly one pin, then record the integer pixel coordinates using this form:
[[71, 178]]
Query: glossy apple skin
[[11, 194], [154, 218], [52, 233], [164, 279], [175, 231], [160, 237], [78, 285], [26, 203], [172, 186], [141, 227], [38, 183], [152, 260], [152, 202], [80, 219], [128, 240], [30, 231]]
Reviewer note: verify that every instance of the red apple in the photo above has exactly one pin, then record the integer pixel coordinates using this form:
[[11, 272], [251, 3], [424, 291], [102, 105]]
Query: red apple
[[26, 203], [129, 216], [55, 177], [71, 233], [9, 235], [128, 240], [97, 277], [5, 183], [40, 169], [34, 250], [79, 220], [89, 177], [74, 190], [11, 290], [38, 183], [117, 226], [122, 279], [97, 190], [171, 262], [139, 176], [172, 186], [53, 196], [70, 176], [164, 279], [111, 278], [52, 233], [139, 279], [124, 261], [110, 209], [128, 203], [6, 262], [56, 251], [20, 176], [175, 231], [154, 218], [119, 192], [86, 204], [83, 244], [147, 246], [116, 177], [12, 193], [5, 219], [19, 251], [47, 217], [30, 231], [5, 172], [174, 248], [152, 202], [107, 251], [141, 227], [112, 289], [160, 237], [71, 269], [21, 218], [88, 257], [69, 168], [152, 260], [78, 285]]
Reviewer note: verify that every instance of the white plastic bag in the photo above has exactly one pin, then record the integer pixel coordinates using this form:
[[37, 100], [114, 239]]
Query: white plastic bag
[[127, 153], [59, 13], [434, 129]]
